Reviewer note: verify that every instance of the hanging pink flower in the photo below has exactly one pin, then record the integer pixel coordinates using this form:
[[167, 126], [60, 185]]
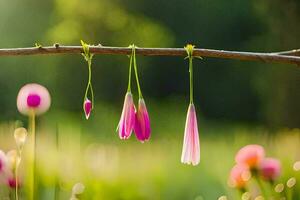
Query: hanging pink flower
[[87, 107], [239, 175], [250, 155], [191, 144], [127, 120], [33, 97], [270, 169], [142, 122]]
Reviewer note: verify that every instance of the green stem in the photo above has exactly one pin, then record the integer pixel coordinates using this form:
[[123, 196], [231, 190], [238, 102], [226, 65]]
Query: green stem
[[289, 193], [191, 80], [262, 189], [56, 190], [129, 75], [90, 79], [89, 84], [32, 129], [136, 74], [16, 174]]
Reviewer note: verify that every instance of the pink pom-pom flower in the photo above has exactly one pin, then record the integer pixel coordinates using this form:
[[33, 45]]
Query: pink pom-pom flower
[[251, 155], [239, 175], [142, 122], [191, 145], [270, 169], [127, 120], [33, 97]]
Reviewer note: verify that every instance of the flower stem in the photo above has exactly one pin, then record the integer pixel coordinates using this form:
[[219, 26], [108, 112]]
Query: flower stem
[[261, 187], [16, 174], [129, 75], [32, 130], [136, 73], [289, 193], [88, 58], [191, 80], [56, 190]]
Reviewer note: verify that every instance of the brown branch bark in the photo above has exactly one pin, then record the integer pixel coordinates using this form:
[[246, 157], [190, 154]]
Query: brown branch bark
[[291, 57]]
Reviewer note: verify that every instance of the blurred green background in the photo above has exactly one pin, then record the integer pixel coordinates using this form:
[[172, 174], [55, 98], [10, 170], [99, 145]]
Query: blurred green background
[[237, 102]]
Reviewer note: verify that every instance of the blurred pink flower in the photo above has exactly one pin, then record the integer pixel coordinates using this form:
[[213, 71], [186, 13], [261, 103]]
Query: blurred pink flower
[[250, 155], [87, 107], [239, 175], [127, 120], [270, 168], [12, 182], [191, 145], [3, 162], [142, 122], [33, 97]]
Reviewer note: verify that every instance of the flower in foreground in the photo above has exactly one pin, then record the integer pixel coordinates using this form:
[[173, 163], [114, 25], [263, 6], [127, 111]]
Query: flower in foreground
[[270, 169], [87, 107], [20, 135], [142, 122], [239, 175], [77, 191], [127, 120], [33, 97], [3, 162], [12, 159], [191, 144], [12, 182], [251, 155]]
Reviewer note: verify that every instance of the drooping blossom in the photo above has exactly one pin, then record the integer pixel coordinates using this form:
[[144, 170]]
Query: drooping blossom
[[127, 119], [270, 169], [142, 122], [239, 175], [251, 155], [33, 97], [191, 144], [87, 107]]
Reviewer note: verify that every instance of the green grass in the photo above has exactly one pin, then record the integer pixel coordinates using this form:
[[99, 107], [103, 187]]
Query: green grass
[[91, 152]]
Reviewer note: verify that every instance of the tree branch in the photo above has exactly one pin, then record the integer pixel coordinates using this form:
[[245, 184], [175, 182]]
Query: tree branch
[[295, 52], [291, 57]]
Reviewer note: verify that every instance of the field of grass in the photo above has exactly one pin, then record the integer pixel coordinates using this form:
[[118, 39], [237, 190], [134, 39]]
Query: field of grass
[[91, 152]]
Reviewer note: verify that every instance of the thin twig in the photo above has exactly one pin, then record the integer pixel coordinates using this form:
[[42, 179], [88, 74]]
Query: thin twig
[[295, 52], [291, 57]]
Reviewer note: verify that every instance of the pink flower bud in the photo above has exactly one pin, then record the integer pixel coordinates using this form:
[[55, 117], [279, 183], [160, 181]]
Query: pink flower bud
[[33, 97], [270, 169], [87, 107], [127, 120], [191, 145], [142, 122], [251, 155]]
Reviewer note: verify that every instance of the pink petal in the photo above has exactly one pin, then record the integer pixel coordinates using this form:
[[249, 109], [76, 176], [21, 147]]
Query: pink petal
[[127, 119], [142, 122], [191, 145], [250, 155]]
